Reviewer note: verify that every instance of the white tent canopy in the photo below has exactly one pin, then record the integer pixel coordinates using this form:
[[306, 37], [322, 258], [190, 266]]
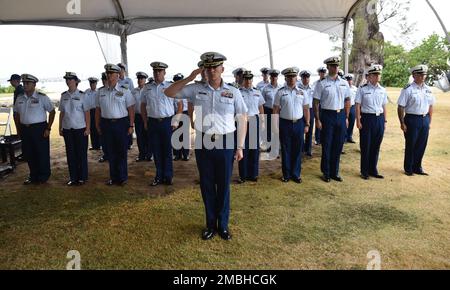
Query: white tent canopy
[[125, 18]]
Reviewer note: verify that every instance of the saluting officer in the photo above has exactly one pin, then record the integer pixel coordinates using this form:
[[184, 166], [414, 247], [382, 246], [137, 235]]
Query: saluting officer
[[265, 75], [415, 112], [291, 103], [114, 120], [157, 111], [268, 94], [91, 95], [219, 104], [145, 153], [322, 71], [249, 165], [31, 113], [304, 84], [74, 126], [352, 115], [333, 95], [371, 118]]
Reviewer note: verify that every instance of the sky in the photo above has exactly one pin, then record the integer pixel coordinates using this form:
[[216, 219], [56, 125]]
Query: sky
[[48, 52]]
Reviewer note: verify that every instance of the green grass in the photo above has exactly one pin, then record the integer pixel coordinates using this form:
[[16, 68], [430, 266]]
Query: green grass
[[274, 225]]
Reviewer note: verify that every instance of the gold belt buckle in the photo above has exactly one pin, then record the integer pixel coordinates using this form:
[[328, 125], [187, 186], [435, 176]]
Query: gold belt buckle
[[338, 111], [378, 114]]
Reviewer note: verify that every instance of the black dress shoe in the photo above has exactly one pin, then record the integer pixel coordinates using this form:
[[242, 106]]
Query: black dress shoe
[[176, 159], [241, 181], [365, 177], [81, 182], [421, 172], [122, 183], [225, 235], [337, 178], [109, 183], [351, 141], [186, 159], [253, 179], [285, 180], [102, 160], [168, 182], [150, 158], [326, 179], [28, 182], [72, 183], [297, 180], [377, 176], [408, 173], [208, 234], [155, 182], [139, 159]]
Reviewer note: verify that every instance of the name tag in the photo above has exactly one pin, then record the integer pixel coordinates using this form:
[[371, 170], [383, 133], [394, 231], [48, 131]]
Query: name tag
[[202, 93]]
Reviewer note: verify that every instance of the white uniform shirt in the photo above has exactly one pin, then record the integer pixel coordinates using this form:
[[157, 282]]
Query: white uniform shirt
[[114, 102], [73, 105], [33, 110], [291, 103], [416, 100], [371, 98]]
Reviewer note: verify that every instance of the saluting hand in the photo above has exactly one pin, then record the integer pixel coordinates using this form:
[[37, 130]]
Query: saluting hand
[[195, 73]]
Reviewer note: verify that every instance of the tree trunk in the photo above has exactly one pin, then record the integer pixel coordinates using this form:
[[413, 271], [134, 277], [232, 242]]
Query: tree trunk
[[368, 41]]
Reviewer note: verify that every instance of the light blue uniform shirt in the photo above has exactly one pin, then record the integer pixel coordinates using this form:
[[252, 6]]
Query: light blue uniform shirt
[[74, 107], [291, 103], [309, 93], [269, 93], [137, 95], [33, 110], [261, 85], [126, 82], [371, 98], [332, 93], [353, 91], [114, 102], [416, 100], [253, 100], [158, 105], [215, 110], [90, 98]]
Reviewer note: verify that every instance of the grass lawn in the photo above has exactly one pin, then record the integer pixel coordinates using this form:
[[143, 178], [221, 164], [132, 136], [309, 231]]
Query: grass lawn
[[274, 225]]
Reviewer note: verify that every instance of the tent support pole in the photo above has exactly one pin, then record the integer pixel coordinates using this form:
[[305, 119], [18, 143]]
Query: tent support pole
[[269, 41], [123, 49], [345, 46]]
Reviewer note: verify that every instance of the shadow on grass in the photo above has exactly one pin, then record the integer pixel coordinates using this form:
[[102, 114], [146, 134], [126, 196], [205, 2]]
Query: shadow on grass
[[347, 220]]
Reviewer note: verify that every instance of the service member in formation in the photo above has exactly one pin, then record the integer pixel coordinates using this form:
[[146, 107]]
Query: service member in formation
[[31, 113], [114, 119], [74, 126], [91, 95], [249, 165], [415, 112], [371, 117], [333, 96], [145, 152], [157, 112], [265, 75], [322, 71], [352, 115], [292, 105], [183, 153], [304, 84], [269, 93], [220, 103]]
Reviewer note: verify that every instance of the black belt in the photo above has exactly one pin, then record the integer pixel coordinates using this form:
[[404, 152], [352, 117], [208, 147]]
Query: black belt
[[114, 120], [160, 119], [373, 114], [292, 121], [414, 115], [34, 125], [334, 111]]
